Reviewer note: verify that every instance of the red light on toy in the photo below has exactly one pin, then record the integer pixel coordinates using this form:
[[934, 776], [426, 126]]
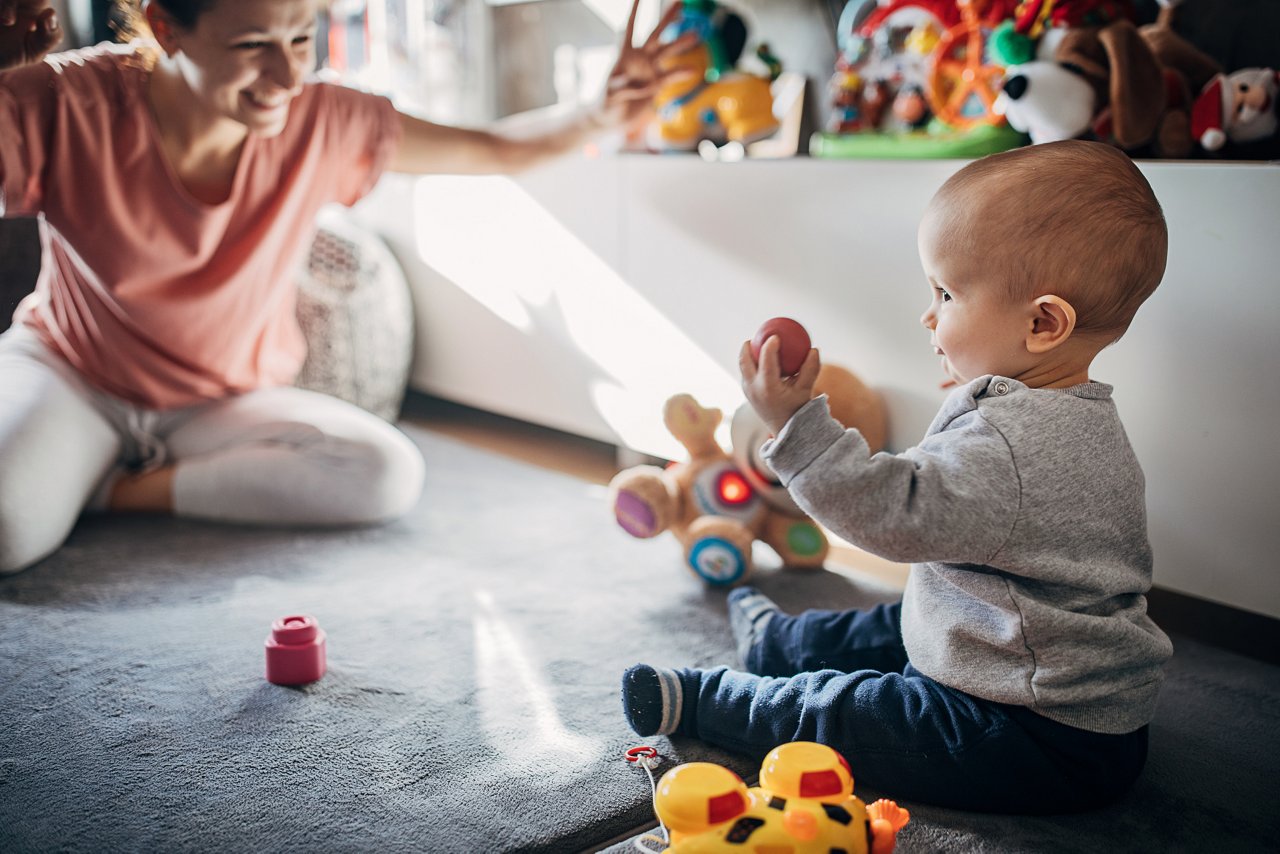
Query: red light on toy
[[295, 651], [733, 488]]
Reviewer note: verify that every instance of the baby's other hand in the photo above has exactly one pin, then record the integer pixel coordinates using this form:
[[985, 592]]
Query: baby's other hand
[[776, 398]]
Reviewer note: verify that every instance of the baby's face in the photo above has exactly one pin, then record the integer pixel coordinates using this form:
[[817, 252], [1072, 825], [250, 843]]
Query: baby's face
[[974, 326]]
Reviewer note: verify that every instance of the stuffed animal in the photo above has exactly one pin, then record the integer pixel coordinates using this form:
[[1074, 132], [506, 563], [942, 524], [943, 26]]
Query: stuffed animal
[[1238, 107], [1047, 101], [1079, 69], [718, 504], [1146, 90]]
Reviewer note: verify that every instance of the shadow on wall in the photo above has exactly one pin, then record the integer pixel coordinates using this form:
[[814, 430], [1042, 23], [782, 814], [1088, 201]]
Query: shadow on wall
[[554, 308]]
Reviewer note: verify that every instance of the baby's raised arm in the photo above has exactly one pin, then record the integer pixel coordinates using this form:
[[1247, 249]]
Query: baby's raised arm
[[954, 497]]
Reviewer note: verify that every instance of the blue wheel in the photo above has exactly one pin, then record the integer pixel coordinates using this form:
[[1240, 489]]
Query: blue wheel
[[717, 561]]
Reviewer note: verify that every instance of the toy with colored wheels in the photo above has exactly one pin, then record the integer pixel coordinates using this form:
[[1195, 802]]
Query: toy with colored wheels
[[717, 503], [718, 550], [804, 805]]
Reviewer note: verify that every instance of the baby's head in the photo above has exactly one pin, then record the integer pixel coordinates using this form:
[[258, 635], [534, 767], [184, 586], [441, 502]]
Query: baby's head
[[1072, 221]]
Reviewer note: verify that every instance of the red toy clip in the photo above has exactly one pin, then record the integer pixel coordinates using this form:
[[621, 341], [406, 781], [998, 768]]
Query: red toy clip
[[295, 651], [640, 754]]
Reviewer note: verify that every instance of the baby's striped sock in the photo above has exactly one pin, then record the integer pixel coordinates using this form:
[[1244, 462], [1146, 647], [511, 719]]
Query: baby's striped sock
[[749, 613], [652, 699]]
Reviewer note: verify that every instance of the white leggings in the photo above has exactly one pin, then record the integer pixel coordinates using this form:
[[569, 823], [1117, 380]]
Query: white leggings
[[279, 456]]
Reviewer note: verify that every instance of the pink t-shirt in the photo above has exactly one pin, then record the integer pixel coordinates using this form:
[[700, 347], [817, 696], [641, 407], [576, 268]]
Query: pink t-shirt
[[153, 296]]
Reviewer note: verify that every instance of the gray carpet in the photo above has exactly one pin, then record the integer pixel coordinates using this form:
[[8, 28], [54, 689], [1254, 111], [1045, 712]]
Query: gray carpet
[[471, 703]]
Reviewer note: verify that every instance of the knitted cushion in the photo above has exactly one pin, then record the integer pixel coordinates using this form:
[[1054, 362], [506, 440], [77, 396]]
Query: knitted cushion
[[355, 311]]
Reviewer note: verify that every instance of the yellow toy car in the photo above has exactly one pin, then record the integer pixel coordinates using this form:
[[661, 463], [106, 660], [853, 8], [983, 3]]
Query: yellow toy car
[[803, 805]]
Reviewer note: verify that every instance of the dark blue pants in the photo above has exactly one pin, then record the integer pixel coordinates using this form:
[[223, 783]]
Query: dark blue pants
[[842, 678]]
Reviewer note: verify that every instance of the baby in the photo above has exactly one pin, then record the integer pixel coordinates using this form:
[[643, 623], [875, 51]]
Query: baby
[[1020, 670]]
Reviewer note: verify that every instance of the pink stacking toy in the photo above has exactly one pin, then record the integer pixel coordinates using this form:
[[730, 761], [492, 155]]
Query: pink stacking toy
[[295, 651]]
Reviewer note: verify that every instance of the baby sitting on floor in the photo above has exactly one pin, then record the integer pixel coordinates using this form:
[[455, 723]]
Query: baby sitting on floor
[[1020, 670]]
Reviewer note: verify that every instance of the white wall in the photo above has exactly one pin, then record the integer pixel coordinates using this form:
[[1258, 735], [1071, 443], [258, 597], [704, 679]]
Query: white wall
[[584, 294]]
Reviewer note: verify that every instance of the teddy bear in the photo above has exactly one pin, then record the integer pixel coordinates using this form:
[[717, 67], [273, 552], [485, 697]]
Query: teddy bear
[[717, 503]]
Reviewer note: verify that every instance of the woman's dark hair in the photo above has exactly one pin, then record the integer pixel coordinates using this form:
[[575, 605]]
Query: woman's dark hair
[[184, 12]]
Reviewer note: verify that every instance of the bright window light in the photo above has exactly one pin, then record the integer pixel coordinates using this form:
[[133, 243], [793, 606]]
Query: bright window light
[[543, 269]]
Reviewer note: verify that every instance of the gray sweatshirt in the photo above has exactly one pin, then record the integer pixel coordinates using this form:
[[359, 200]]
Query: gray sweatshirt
[[1023, 515]]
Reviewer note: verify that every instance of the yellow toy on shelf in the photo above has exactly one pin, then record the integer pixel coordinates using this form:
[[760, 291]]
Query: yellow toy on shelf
[[718, 102], [803, 805]]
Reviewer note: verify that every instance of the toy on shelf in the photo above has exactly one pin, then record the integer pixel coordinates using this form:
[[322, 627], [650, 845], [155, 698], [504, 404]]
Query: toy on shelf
[[718, 504], [1238, 107], [718, 103], [914, 78], [963, 84], [295, 651], [804, 804], [1083, 69]]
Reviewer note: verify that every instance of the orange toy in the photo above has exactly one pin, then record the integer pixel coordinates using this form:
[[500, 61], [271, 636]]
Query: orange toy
[[803, 805], [716, 503]]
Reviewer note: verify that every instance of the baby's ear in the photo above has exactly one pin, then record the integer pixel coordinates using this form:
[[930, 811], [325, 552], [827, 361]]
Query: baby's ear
[[1052, 323]]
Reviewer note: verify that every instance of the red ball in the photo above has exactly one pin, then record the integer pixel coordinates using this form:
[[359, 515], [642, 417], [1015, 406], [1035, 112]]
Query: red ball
[[793, 338]]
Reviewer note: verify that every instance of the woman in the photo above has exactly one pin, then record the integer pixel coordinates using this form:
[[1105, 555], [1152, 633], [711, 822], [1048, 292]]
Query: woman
[[177, 186]]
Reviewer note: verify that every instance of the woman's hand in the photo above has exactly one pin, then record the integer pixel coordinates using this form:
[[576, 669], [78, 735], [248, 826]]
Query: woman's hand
[[427, 148], [776, 398], [640, 71], [29, 29]]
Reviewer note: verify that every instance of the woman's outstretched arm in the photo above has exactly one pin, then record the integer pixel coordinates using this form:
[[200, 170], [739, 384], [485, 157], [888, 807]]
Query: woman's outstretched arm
[[636, 77]]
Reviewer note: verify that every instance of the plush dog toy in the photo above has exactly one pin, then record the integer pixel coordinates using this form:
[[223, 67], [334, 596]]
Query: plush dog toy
[[1047, 101], [718, 504], [1047, 93], [1146, 90]]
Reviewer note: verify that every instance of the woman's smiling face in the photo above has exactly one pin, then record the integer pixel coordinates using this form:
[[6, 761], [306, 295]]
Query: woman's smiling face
[[245, 60]]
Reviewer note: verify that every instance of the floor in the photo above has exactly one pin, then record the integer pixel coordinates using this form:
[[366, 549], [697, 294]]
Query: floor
[[596, 462], [1209, 781], [590, 461]]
